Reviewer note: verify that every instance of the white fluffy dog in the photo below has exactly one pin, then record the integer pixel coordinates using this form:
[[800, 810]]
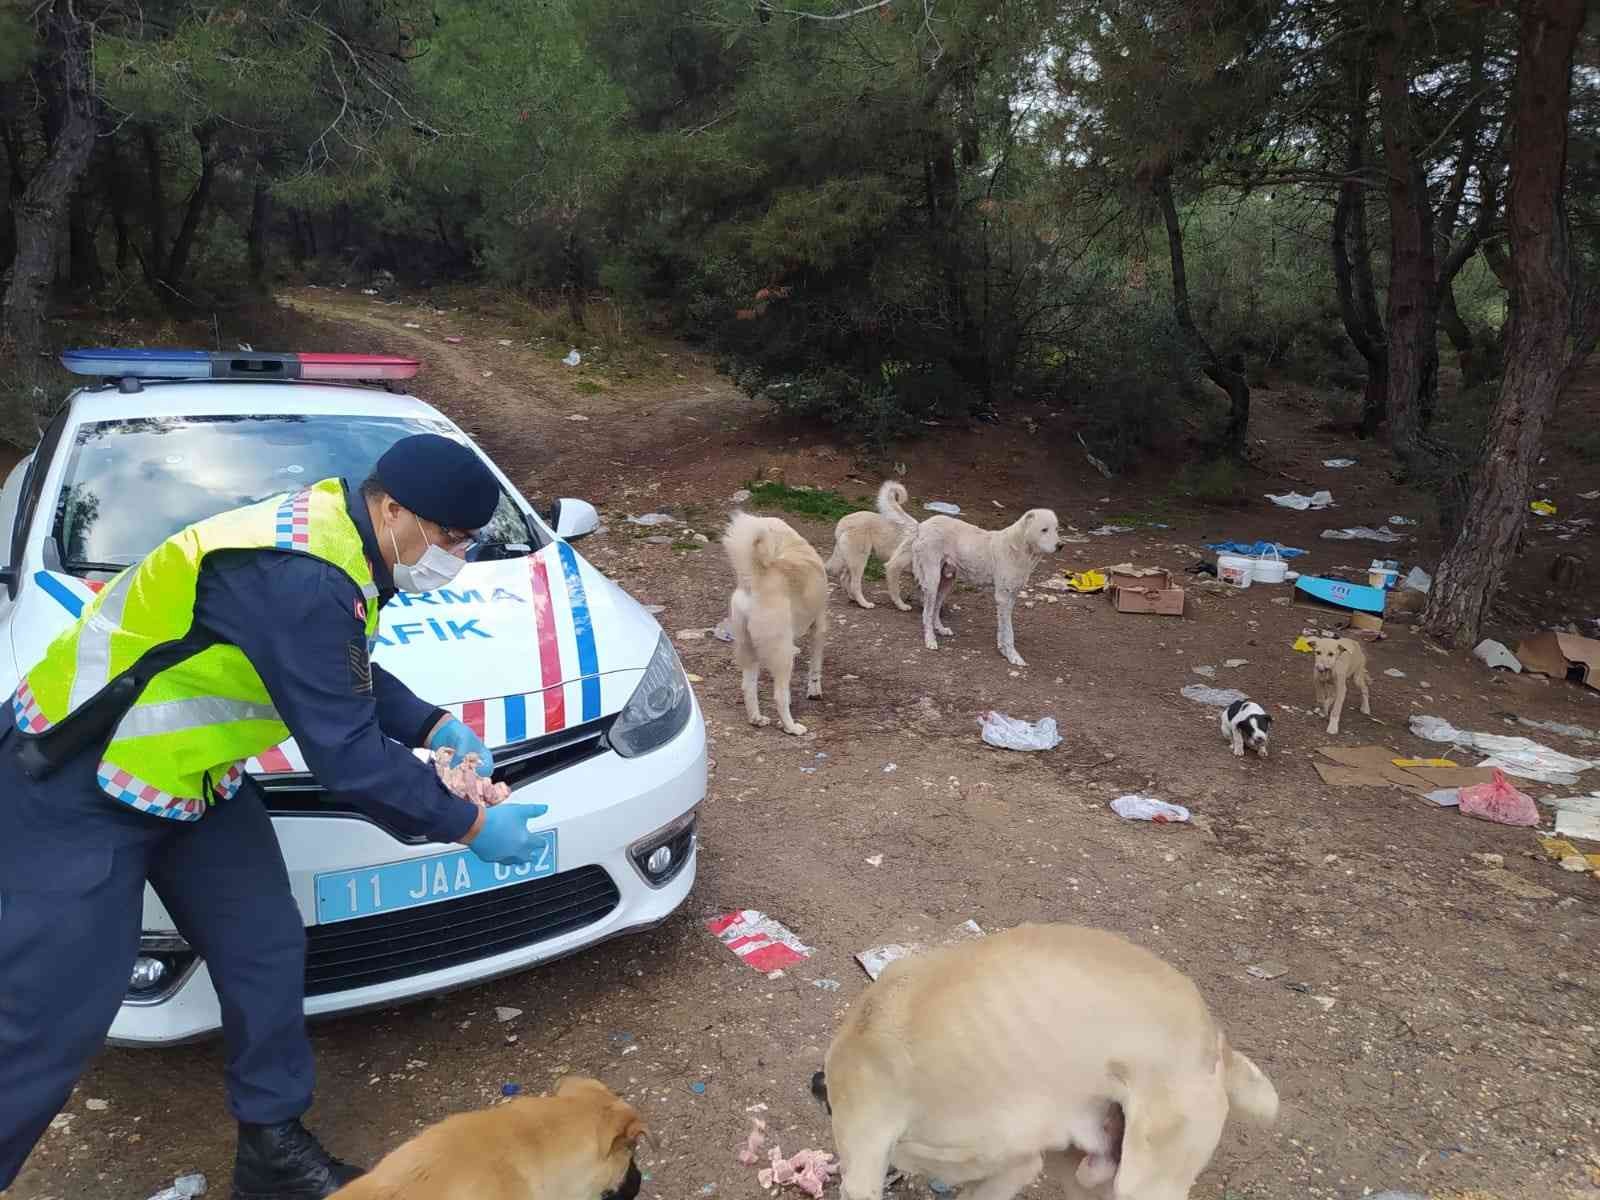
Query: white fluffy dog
[[946, 549], [782, 595], [862, 534]]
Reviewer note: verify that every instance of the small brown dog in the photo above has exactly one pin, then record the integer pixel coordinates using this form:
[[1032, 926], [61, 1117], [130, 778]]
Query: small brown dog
[[1337, 663], [575, 1145], [861, 534], [782, 595]]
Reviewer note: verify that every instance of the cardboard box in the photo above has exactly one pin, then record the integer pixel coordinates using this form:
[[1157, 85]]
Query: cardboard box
[[1562, 656], [1362, 605], [1149, 593]]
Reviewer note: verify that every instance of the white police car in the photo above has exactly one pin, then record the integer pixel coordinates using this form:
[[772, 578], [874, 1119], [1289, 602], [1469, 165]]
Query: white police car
[[565, 676]]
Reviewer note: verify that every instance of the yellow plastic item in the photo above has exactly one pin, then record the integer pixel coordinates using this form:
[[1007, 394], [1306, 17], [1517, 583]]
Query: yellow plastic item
[[1543, 507], [1424, 762], [1558, 848], [1304, 645], [1087, 581]]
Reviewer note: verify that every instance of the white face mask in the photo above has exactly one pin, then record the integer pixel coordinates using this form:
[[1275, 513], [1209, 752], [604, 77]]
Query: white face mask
[[433, 570]]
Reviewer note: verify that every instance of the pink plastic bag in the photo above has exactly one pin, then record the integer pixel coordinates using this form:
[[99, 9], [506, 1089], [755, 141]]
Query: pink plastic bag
[[1498, 801]]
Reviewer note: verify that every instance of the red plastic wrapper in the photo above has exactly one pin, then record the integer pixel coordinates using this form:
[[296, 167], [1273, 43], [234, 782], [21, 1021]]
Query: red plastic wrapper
[[1498, 801]]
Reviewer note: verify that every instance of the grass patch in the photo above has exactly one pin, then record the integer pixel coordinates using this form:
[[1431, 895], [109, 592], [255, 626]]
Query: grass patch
[[688, 544], [1217, 482], [806, 502], [874, 570], [588, 387]]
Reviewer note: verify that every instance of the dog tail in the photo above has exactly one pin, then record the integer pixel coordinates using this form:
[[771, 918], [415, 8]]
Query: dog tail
[[751, 546], [1249, 1090], [892, 497], [819, 1089]]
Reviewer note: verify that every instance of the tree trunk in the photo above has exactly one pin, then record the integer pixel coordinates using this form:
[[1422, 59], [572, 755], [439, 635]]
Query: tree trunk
[[572, 275], [1411, 257], [68, 71], [183, 244], [1358, 303], [84, 266], [260, 220], [1542, 348], [1229, 376]]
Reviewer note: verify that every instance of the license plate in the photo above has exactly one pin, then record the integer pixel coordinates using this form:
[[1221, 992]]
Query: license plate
[[345, 895]]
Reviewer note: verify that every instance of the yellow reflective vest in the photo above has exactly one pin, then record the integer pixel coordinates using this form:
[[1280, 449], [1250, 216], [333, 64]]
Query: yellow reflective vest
[[184, 740]]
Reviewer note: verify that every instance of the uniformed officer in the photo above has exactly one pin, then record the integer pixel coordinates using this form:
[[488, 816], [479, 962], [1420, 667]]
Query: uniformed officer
[[123, 766]]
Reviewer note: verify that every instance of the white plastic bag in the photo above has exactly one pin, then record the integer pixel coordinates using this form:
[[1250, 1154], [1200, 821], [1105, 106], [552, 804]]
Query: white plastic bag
[[1215, 697], [1494, 654], [1300, 503], [943, 506], [1362, 532], [1418, 580], [1134, 807], [1009, 733], [573, 358]]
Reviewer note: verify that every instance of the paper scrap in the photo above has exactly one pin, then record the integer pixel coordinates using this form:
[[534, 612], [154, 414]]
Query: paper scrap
[[873, 961], [764, 944]]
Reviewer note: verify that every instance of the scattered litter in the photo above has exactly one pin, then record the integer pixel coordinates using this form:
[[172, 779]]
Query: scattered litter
[[1009, 733], [1543, 507], [1402, 520], [1589, 495], [1393, 1195], [943, 506], [1579, 822], [573, 358], [183, 1187], [890, 768], [698, 1088], [1325, 1003], [502, 341], [1443, 797], [1303, 645], [369, 291], [723, 631], [692, 635], [1267, 970], [412, 325], [1425, 762], [1394, 673], [1300, 503], [740, 496], [1500, 802], [1562, 656], [763, 943], [1362, 533], [1494, 654], [875, 860], [1580, 732], [1255, 549], [1489, 860], [1086, 581], [1134, 807], [453, 340], [1106, 530], [1515, 755], [809, 1170], [1418, 580], [1215, 697], [503, 1014], [1338, 464], [1236, 662], [873, 961], [650, 519], [576, 417], [1097, 463], [827, 985], [94, 1105], [1374, 766], [1514, 884], [753, 1142], [1207, 672]]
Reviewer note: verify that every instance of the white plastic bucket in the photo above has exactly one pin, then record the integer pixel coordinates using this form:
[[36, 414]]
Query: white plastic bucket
[[1269, 568], [1235, 569]]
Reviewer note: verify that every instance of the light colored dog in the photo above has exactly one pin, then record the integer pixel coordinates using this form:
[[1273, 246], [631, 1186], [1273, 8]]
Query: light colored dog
[[575, 1145], [1337, 663], [862, 534], [782, 595], [975, 1062], [947, 548]]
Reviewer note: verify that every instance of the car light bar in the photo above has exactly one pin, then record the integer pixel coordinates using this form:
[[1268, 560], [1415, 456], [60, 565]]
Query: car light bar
[[243, 364]]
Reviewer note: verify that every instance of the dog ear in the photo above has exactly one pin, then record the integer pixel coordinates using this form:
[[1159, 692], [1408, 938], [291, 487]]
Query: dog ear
[[621, 1126], [1264, 719]]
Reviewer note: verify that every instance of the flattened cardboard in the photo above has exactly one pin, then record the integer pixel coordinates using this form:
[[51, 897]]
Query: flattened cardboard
[[1373, 766], [1557, 654], [1151, 591]]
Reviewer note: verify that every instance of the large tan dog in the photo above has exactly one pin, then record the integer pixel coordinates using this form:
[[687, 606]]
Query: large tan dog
[[862, 534], [575, 1145], [1336, 664], [947, 548], [974, 1062], [782, 595]]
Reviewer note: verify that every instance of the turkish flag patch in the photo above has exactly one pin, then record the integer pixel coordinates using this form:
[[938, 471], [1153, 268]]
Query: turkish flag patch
[[361, 609]]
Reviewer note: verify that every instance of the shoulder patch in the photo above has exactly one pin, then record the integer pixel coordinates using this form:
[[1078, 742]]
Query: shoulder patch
[[361, 610], [360, 666]]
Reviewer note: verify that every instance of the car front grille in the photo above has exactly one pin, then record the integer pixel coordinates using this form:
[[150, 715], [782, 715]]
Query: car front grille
[[378, 949]]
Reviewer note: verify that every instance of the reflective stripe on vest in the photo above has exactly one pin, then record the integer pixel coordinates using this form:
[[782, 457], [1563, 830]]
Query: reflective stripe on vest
[[184, 740]]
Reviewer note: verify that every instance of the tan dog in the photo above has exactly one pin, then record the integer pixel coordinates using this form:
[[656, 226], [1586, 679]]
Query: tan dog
[[1337, 663], [862, 534], [947, 548], [575, 1145], [975, 1062], [781, 596]]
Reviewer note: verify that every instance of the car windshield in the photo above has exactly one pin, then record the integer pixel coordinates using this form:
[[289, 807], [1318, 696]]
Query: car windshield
[[131, 484]]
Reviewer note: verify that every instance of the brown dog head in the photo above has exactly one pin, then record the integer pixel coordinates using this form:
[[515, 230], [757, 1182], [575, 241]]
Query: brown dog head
[[1327, 652], [613, 1131]]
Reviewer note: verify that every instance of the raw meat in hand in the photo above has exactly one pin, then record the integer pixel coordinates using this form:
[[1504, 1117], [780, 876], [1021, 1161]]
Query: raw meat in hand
[[464, 780]]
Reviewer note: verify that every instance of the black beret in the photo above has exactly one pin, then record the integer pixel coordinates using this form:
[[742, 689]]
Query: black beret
[[440, 480]]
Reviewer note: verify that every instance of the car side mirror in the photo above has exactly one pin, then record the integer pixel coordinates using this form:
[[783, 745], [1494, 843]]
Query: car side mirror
[[574, 519]]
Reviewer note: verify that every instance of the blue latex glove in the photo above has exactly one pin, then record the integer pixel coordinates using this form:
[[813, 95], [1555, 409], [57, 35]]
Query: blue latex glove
[[504, 837], [455, 734]]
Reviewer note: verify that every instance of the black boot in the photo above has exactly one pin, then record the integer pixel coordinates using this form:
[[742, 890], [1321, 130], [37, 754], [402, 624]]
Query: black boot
[[286, 1162]]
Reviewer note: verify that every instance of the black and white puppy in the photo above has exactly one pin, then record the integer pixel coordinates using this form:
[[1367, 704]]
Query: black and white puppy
[[1245, 723]]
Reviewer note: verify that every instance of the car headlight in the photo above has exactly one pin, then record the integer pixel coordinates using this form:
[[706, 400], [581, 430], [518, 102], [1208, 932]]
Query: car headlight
[[659, 707]]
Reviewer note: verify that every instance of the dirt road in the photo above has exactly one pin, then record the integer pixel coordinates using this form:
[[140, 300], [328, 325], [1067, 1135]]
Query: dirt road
[[1428, 1031]]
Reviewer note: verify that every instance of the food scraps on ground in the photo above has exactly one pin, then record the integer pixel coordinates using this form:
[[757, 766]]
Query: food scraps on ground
[[753, 1142], [809, 1170]]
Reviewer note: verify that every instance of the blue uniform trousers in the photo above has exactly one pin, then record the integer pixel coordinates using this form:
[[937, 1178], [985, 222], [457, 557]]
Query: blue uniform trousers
[[73, 867]]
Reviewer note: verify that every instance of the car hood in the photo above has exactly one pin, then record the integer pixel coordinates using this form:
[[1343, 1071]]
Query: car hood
[[516, 648]]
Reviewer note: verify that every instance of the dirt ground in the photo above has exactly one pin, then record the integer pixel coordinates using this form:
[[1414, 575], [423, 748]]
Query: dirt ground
[[1431, 1031]]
